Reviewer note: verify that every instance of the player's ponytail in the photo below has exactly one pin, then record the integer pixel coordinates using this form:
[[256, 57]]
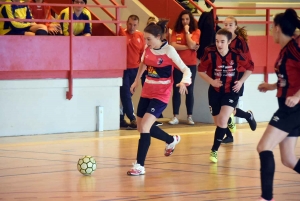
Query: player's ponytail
[[288, 21], [158, 29], [242, 32]]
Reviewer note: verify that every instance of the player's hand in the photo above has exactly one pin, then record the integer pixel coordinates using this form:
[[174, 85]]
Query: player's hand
[[291, 101], [217, 83], [264, 87], [182, 88], [196, 47], [133, 86], [236, 88], [186, 28]]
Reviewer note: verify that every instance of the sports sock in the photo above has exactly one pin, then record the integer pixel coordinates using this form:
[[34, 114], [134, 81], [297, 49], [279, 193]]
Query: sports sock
[[242, 114], [297, 167], [219, 135], [159, 134], [267, 170], [144, 143]]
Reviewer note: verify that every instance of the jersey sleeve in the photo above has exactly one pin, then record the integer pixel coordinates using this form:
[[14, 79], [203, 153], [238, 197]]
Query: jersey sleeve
[[205, 61], [172, 54], [122, 31], [245, 62], [87, 26], [196, 35], [7, 13], [64, 25]]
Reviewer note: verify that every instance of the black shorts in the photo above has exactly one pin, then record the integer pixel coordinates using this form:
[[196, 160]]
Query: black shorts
[[151, 106], [216, 100], [287, 118]]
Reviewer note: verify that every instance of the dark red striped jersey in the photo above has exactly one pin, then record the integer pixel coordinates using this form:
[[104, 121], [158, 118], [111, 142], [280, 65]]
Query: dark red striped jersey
[[287, 68], [240, 44], [228, 68]]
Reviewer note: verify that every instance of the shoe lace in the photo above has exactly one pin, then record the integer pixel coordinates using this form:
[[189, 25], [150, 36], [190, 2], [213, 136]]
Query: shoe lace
[[136, 165], [231, 125], [214, 154], [251, 115]]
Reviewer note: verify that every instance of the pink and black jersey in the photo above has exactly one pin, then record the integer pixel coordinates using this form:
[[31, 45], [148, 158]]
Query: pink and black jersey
[[287, 68], [228, 68], [160, 65]]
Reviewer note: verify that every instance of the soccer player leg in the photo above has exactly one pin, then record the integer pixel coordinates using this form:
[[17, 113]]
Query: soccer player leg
[[248, 116], [145, 121], [287, 153], [276, 132]]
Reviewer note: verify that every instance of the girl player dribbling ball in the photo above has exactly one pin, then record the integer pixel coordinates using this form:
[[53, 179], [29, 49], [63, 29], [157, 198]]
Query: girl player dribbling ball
[[159, 56]]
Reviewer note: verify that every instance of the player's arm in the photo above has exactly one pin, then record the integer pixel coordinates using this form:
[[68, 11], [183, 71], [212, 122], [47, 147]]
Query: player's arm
[[186, 78], [175, 45], [87, 26], [7, 13], [136, 82], [264, 87], [192, 39]]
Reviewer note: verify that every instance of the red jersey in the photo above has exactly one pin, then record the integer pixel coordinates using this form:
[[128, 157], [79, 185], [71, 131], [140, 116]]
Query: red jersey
[[187, 56], [240, 44], [135, 47], [41, 12], [228, 68], [287, 68], [159, 79]]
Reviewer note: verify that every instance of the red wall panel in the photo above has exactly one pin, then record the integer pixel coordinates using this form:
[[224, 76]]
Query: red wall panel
[[25, 57]]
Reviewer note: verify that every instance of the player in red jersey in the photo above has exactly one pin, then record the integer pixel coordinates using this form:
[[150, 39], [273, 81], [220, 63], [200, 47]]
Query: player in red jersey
[[226, 70], [284, 126], [159, 58], [239, 41]]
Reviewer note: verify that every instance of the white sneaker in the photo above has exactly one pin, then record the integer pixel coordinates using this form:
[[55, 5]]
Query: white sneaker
[[174, 121], [136, 170], [171, 147], [190, 121]]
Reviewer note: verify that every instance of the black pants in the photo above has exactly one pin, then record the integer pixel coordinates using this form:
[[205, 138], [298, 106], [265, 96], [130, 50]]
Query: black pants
[[125, 94], [176, 99]]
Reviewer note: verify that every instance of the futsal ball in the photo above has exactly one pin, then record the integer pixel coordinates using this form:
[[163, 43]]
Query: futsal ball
[[86, 165]]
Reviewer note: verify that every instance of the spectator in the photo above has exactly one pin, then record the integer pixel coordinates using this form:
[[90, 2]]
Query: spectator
[[79, 13], [185, 39], [135, 48], [11, 11], [44, 12]]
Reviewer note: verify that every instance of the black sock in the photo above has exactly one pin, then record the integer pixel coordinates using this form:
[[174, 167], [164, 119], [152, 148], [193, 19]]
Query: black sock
[[228, 133], [242, 114], [297, 167], [121, 117], [159, 134], [219, 135], [267, 170], [144, 143]]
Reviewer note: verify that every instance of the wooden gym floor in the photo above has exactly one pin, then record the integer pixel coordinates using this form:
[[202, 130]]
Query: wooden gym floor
[[43, 167]]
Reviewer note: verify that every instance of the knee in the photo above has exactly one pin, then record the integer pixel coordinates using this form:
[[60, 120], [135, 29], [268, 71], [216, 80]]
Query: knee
[[289, 162], [222, 122], [260, 148]]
